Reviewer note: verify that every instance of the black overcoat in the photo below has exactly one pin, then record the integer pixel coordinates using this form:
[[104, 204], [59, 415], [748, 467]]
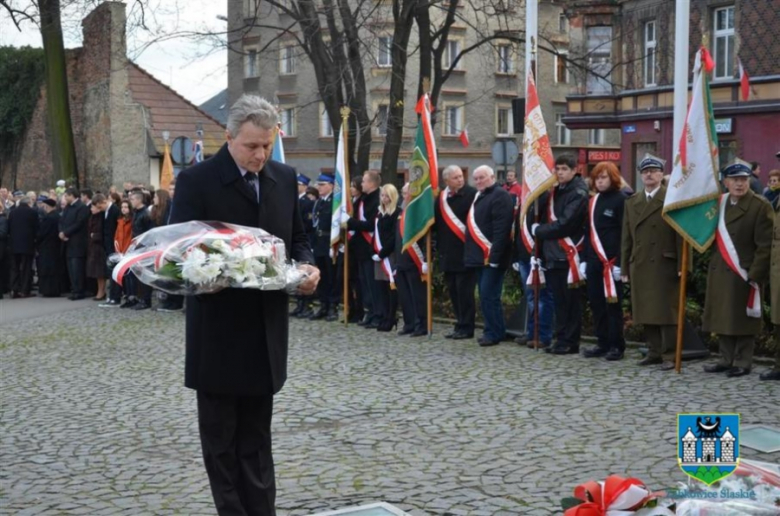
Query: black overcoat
[[493, 212], [449, 247], [110, 221], [49, 257], [74, 224], [236, 339], [362, 248], [321, 215], [22, 228]]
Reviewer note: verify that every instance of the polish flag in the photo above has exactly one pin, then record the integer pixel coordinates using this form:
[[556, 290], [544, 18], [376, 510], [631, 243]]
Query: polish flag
[[744, 81], [464, 136]]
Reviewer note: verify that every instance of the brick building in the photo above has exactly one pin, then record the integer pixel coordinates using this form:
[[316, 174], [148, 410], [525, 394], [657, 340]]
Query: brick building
[[478, 93], [118, 112], [634, 41]]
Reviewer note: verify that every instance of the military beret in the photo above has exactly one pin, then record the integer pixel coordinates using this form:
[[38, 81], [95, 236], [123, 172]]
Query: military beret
[[325, 178], [303, 180], [651, 162], [737, 170]]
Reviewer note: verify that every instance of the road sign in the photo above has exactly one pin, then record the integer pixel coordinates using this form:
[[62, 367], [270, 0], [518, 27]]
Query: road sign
[[505, 152], [182, 151]]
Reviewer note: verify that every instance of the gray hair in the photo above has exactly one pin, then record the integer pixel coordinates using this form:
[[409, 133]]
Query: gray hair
[[251, 108], [487, 169], [445, 174]]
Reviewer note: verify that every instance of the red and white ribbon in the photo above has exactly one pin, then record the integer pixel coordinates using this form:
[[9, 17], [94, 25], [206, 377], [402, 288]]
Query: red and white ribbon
[[729, 254], [384, 262], [125, 263], [610, 290], [479, 237], [615, 496], [452, 221], [362, 216], [414, 251], [570, 248]]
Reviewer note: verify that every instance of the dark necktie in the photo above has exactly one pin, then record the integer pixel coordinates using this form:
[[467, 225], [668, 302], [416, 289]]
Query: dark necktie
[[251, 180]]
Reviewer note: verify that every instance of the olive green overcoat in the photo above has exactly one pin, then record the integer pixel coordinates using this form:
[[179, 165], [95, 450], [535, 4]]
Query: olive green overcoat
[[651, 254], [749, 223]]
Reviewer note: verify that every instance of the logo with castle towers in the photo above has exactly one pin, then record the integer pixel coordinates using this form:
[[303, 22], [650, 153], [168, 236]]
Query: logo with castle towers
[[708, 445]]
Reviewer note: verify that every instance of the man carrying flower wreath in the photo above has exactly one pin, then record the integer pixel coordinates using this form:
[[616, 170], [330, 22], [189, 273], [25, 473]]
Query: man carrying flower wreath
[[236, 339]]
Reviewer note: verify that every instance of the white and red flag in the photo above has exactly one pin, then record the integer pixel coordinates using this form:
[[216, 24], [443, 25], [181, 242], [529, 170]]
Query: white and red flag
[[464, 136], [744, 81]]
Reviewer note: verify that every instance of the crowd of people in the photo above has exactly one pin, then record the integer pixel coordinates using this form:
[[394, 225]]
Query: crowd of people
[[590, 234], [63, 238]]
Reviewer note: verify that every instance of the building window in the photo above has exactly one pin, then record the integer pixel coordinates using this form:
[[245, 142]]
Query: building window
[[599, 60], [382, 115], [451, 52], [384, 56], [650, 44], [506, 59], [251, 8], [504, 121], [453, 120], [561, 70], [563, 23], [287, 119], [287, 60], [724, 42], [564, 135], [326, 128], [595, 136], [250, 63]]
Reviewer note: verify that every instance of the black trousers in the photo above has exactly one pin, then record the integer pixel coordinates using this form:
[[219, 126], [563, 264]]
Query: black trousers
[[21, 273], [235, 435], [607, 317], [462, 286], [325, 290], [386, 302], [413, 300], [370, 291], [77, 270], [568, 308]]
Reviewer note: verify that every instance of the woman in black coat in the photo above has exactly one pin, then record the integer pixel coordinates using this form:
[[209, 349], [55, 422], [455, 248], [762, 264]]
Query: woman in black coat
[[602, 261], [385, 257], [49, 251], [411, 270], [96, 253]]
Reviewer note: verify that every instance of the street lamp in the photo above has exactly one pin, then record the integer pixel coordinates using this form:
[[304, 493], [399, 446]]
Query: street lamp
[[166, 135]]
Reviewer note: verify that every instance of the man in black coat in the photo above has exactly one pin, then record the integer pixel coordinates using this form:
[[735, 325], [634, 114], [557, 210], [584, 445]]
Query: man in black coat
[[452, 209], [365, 211], [73, 231], [488, 249], [321, 219], [236, 340], [49, 248], [562, 238], [110, 220], [22, 228]]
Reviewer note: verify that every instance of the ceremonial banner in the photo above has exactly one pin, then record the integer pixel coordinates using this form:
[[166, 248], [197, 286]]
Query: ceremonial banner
[[342, 200], [277, 153], [423, 178], [691, 205], [538, 161]]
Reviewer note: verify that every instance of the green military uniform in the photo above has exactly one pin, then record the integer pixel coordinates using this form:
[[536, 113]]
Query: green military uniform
[[774, 283], [749, 223], [651, 256]]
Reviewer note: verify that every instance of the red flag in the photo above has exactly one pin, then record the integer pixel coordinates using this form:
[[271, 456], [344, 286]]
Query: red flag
[[706, 58], [744, 81], [464, 136]]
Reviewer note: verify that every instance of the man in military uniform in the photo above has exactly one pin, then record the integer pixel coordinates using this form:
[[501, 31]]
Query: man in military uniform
[[738, 270], [303, 303], [650, 260], [561, 236], [452, 209], [321, 218], [774, 285]]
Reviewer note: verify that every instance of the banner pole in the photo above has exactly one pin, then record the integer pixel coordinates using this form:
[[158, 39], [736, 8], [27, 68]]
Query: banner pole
[[536, 284], [430, 283], [681, 308], [346, 199]]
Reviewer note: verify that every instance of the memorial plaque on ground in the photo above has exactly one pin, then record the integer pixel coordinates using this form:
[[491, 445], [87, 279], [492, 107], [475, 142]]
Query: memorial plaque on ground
[[374, 509]]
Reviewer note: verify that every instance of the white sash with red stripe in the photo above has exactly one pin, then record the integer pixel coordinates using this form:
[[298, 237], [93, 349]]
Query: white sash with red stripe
[[610, 290], [570, 248], [537, 273], [729, 254], [362, 216], [414, 251], [452, 221], [479, 237], [384, 262]]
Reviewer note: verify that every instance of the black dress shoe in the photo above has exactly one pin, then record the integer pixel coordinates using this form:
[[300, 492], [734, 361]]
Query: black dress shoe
[[666, 366], [371, 326], [595, 352], [650, 361], [716, 368], [485, 342], [614, 354], [419, 333], [450, 334], [523, 341], [305, 313], [332, 316], [736, 372], [565, 350], [319, 314], [403, 332], [770, 375], [462, 336]]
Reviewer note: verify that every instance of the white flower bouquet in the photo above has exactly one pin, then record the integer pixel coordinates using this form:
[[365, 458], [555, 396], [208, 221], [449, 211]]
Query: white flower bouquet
[[205, 257]]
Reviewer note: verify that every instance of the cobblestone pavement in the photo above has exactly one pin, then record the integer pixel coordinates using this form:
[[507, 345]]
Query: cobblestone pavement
[[95, 420]]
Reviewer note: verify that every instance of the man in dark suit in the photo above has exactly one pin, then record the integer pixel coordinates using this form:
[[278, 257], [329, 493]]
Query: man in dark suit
[[452, 209], [321, 218], [236, 340], [22, 228], [73, 231]]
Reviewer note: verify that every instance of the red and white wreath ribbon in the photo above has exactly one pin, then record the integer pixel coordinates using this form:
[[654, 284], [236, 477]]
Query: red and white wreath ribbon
[[610, 290], [384, 262], [452, 221], [615, 496], [729, 254], [476, 233], [569, 248]]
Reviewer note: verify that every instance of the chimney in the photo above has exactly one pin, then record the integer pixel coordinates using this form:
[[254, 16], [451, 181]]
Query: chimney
[[104, 36]]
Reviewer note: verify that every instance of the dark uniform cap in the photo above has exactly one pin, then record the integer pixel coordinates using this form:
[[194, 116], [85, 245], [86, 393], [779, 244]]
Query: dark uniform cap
[[737, 170], [325, 178], [651, 162], [303, 180]]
